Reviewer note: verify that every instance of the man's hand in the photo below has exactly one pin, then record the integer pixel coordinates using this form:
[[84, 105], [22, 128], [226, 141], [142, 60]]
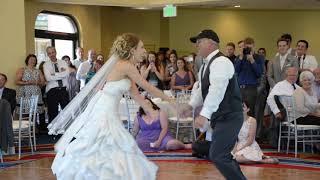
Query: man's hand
[[200, 121], [279, 116]]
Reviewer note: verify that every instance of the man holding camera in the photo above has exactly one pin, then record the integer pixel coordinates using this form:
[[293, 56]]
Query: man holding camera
[[249, 67]]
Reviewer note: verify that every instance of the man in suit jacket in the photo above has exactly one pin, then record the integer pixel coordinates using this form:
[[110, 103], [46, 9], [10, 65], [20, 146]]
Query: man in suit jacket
[[219, 93], [6, 93], [277, 68]]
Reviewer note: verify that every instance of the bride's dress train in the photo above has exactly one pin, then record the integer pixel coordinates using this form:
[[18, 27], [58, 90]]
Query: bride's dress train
[[103, 148]]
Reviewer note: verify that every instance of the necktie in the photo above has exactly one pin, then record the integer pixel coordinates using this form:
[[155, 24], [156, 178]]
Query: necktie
[[56, 69], [294, 87], [299, 61], [91, 66]]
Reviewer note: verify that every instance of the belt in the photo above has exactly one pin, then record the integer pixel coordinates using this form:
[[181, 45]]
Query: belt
[[247, 86], [59, 88]]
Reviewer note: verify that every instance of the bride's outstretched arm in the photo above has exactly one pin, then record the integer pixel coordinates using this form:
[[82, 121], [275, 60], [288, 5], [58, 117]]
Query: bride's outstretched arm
[[134, 75]]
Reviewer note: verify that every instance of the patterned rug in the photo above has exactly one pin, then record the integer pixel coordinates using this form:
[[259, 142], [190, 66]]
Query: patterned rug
[[310, 162]]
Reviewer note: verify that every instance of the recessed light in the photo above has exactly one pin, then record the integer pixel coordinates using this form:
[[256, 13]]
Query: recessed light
[[236, 6]]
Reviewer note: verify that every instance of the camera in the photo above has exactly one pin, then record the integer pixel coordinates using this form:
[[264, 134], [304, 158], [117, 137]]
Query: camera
[[246, 50]]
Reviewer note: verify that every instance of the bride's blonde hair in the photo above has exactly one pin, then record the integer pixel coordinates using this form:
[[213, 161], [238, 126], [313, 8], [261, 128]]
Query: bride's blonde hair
[[123, 44]]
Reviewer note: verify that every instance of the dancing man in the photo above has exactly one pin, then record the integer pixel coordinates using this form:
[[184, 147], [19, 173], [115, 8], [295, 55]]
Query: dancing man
[[218, 91]]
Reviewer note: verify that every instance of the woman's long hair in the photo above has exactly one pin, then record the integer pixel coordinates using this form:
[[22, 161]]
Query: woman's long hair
[[154, 107]]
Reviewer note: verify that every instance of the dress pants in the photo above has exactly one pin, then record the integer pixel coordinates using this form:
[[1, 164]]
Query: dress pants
[[56, 96], [224, 136]]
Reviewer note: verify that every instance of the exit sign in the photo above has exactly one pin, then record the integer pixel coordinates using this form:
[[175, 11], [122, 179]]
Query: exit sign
[[169, 11]]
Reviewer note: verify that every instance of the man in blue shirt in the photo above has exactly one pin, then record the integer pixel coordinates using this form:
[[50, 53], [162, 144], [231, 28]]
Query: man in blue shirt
[[249, 67]]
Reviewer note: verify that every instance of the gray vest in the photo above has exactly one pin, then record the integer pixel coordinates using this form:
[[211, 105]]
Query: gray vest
[[231, 102]]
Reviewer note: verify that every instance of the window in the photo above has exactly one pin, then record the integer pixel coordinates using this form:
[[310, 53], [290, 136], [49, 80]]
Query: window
[[58, 30]]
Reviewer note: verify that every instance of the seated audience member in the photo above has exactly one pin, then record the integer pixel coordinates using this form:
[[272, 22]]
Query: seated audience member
[[153, 71], [316, 83], [182, 79], [307, 107], [73, 84], [247, 149], [7, 93], [285, 87], [96, 66], [151, 130]]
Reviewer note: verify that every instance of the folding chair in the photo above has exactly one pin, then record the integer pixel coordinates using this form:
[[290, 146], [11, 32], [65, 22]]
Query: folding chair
[[294, 130], [182, 98], [25, 126]]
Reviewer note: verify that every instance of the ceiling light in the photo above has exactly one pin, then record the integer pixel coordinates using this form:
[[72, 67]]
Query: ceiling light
[[236, 6]]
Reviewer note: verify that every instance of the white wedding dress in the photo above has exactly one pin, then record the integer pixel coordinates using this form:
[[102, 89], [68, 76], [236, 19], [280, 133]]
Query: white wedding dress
[[103, 148]]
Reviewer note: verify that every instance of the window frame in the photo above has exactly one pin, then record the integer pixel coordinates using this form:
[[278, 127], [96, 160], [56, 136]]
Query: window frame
[[52, 35]]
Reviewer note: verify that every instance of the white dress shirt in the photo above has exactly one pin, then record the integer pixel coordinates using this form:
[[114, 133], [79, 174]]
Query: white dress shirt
[[52, 77], [82, 72], [221, 71], [308, 62], [281, 88], [77, 62], [1, 91]]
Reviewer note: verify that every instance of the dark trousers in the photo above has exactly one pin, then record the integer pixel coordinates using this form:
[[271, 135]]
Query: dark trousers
[[273, 131], [309, 120], [56, 96], [225, 134], [249, 94], [259, 110]]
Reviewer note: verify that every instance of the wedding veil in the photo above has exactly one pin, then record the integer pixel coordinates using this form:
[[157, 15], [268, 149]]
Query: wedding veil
[[78, 104]]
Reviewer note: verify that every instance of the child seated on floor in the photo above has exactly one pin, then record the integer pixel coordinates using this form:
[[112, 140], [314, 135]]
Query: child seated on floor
[[247, 149], [151, 130]]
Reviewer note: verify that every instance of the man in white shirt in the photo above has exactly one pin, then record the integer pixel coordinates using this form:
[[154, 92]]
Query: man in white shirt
[[306, 61], [80, 57], [56, 73], [218, 91], [285, 87], [85, 67]]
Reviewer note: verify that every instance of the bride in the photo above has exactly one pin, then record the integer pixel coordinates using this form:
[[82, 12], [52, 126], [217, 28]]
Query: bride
[[96, 145]]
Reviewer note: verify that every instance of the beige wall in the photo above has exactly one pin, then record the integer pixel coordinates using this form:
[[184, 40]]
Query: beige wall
[[264, 26], [144, 23], [87, 17], [13, 38], [100, 25]]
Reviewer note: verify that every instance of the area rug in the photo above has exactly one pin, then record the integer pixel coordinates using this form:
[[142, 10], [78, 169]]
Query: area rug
[[308, 162]]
